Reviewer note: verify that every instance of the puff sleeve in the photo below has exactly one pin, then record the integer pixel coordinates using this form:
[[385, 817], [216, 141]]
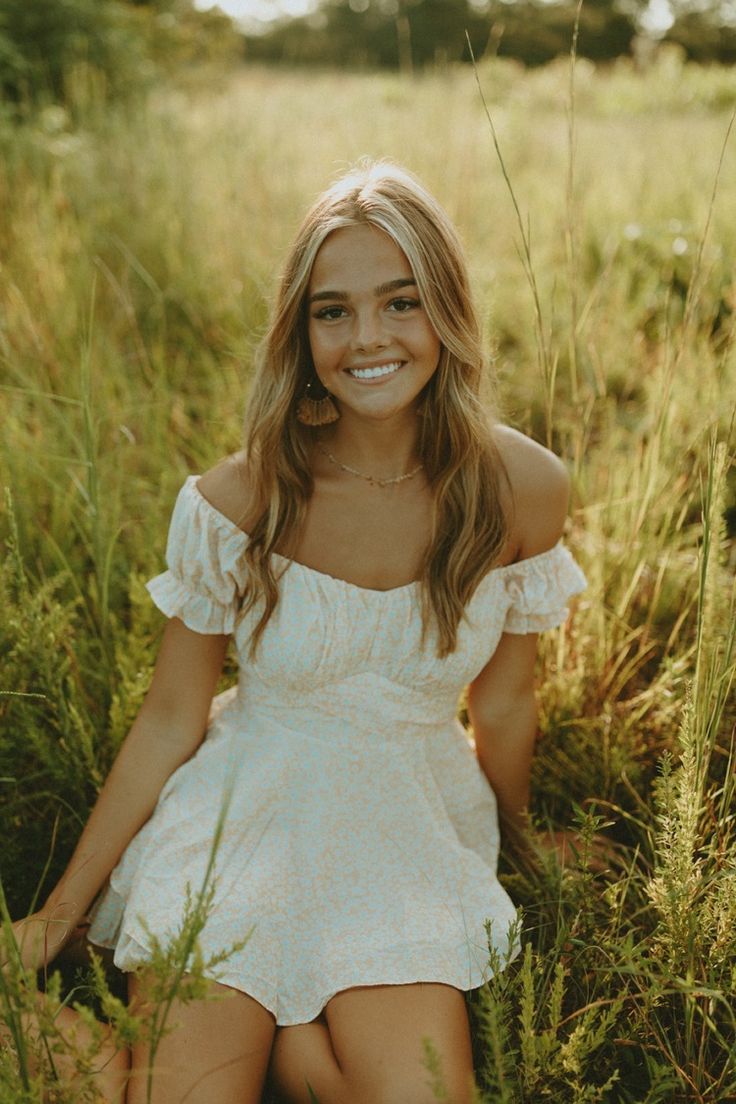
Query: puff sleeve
[[539, 589], [204, 554]]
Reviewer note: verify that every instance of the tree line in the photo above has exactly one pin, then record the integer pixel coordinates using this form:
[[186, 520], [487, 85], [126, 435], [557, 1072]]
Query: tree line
[[129, 43], [409, 34]]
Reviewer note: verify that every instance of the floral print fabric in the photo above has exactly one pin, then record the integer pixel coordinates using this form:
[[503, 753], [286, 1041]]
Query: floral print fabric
[[358, 834]]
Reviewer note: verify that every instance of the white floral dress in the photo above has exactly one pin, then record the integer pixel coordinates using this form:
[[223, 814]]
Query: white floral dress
[[359, 834]]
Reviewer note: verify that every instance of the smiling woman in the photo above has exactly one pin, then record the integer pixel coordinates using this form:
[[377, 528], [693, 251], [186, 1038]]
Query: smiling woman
[[372, 349], [372, 553], [424, 417]]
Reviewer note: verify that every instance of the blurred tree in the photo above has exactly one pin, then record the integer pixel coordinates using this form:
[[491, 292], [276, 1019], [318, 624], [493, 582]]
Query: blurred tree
[[535, 32], [41, 41], [125, 42], [413, 33], [350, 34], [178, 34], [706, 31]]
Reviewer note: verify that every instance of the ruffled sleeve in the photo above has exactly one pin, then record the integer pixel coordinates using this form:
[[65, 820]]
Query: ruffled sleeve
[[204, 553], [539, 589]]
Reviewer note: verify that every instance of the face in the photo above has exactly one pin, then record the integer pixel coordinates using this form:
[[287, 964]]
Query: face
[[372, 343]]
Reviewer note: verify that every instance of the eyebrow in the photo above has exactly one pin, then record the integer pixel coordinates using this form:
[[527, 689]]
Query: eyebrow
[[382, 289]]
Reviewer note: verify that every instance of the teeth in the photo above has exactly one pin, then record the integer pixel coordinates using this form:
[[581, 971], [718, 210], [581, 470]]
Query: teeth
[[372, 373]]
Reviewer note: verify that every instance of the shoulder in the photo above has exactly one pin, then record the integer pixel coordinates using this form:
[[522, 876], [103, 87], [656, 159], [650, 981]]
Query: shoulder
[[540, 489], [229, 488]]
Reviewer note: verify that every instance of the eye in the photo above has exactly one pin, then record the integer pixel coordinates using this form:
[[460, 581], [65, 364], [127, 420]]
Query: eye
[[330, 314], [404, 304]]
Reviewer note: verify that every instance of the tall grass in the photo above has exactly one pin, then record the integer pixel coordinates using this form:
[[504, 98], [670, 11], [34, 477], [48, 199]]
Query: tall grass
[[137, 259]]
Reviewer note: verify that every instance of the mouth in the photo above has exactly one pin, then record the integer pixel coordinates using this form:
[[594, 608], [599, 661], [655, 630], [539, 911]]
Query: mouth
[[376, 371]]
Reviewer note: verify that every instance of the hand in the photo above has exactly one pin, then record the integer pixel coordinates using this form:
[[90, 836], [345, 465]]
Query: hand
[[39, 938], [563, 844], [600, 853]]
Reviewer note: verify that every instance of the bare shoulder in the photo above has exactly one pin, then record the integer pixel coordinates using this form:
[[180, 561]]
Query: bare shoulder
[[229, 489], [540, 486]]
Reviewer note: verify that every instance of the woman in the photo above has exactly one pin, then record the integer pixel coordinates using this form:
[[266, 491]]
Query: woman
[[401, 546]]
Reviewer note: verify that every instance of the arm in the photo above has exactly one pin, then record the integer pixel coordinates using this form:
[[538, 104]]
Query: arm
[[167, 731], [501, 700], [502, 709]]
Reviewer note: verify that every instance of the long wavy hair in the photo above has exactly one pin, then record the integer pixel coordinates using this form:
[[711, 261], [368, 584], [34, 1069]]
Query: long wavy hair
[[455, 443]]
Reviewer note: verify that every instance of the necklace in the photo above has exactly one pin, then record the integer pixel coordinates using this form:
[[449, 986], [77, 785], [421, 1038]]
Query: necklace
[[374, 480]]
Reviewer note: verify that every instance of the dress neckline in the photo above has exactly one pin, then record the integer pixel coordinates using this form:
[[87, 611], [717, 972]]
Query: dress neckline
[[192, 482]]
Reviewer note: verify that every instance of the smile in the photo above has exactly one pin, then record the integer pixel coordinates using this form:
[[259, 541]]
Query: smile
[[378, 371]]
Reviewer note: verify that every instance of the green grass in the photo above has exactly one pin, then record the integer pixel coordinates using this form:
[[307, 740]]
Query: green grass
[[137, 256]]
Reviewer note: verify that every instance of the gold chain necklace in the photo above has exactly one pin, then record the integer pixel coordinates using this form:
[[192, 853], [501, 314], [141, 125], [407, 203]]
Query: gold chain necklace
[[370, 478]]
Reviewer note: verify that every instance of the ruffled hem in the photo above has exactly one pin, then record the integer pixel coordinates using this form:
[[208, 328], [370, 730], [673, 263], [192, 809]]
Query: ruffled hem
[[539, 589], [414, 972], [203, 615], [204, 555], [423, 963]]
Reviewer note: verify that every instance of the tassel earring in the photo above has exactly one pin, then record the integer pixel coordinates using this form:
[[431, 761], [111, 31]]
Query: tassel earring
[[313, 411]]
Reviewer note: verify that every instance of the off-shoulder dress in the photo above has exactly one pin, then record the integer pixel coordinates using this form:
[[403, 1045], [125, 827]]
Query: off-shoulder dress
[[358, 834]]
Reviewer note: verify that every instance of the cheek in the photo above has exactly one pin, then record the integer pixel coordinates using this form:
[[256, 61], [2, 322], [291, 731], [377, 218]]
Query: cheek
[[428, 336], [324, 342], [433, 345], [316, 344]]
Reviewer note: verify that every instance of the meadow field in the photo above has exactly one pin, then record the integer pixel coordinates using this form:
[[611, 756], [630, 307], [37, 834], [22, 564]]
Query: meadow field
[[138, 250]]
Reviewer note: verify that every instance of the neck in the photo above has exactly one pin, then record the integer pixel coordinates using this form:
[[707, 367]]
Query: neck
[[383, 449]]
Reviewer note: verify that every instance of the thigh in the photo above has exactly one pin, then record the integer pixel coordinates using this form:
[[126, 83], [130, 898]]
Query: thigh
[[216, 1049], [302, 1058], [110, 1065], [380, 1036]]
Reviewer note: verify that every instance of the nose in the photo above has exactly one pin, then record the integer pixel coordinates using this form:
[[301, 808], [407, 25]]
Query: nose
[[368, 330]]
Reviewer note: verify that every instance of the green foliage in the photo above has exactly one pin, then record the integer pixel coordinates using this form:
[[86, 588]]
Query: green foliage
[[705, 33], [60, 690], [49, 1054], [71, 51], [43, 43], [413, 34], [537, 32], [417, 33]]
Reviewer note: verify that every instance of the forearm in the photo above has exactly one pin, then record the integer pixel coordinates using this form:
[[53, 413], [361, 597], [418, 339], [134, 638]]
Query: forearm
[[505, 741], [151, 752]]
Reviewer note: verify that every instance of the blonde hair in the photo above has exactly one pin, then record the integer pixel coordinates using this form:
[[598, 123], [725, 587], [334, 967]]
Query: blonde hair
[[455, 443]]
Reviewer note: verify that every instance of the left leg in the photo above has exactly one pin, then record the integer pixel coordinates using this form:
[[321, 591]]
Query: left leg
[[108, 1072], [369, 1048]]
